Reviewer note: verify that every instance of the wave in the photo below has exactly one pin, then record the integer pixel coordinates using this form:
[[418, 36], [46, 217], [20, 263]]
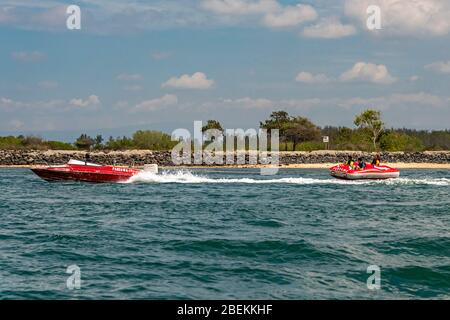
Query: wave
[[425, 181], [188, 177]]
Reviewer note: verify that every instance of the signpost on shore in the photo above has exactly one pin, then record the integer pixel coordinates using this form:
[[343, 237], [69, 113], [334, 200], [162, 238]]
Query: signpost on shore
[[326, 140]]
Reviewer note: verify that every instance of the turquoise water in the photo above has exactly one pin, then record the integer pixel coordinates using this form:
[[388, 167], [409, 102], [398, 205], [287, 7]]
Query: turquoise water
[[223, 234]]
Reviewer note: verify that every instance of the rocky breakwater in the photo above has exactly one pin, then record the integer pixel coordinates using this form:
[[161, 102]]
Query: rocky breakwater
[[437, 157], [164, 158], [127, 158]]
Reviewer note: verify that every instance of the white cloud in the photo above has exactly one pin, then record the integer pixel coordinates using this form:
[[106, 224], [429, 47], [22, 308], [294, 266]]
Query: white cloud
[[16, 124], [129, 77], [198, 81], [91, 101], [309, 78], [411, 17], [414, 78], [158, 103], [11, 105], [368, 72], [420, 98], [23, 56], [133, 88], [161, 55], [274, 15], [121, 104], [48, 84], [405, 17], [33, 15], [329, 28], [8, 104], [439, 67], [250, 103], [103, 16], [290, 16], [240, 7], [263, 103], [395, 100]]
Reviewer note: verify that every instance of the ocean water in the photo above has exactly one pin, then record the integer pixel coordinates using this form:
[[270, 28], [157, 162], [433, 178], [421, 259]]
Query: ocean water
[[226, 234]]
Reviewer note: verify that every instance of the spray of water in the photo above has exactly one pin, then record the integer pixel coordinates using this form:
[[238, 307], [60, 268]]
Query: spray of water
[[187, 177]]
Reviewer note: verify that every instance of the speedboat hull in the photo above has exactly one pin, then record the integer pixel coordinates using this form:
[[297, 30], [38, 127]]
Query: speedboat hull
[[86, 172], [370, 172], [58, 175]]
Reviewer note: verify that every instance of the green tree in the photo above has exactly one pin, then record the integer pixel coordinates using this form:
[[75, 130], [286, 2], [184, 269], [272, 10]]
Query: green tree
[[84, 142], [278, 120], [119, 143], [152, 140], [300, 130], [397, 141], [292, 129], [432, 140], [212, 124], [11, 143], [33, 142], [370, 120], [98, 142], [58, 145]]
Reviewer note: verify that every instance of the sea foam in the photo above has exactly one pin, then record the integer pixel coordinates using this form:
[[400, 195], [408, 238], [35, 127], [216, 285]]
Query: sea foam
[[187, 177]]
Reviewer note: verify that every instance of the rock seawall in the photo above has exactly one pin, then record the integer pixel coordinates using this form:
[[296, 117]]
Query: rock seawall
[[164, 158]]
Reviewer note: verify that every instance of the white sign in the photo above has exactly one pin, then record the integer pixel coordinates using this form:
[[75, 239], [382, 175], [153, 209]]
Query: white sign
[[326, 139]]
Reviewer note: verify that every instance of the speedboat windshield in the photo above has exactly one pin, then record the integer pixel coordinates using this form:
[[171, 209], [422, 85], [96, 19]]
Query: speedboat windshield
[[82, 163]]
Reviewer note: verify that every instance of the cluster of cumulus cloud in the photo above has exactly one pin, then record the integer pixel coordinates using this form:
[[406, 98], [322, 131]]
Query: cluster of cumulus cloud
[[399, 17], [275, 15], [361, 71], [339, 18]]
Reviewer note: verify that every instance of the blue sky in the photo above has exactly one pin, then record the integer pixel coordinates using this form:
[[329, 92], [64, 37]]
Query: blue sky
[[163, 64]]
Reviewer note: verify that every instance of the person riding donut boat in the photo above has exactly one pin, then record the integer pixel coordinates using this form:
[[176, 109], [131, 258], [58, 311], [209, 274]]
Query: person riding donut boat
[[376, 160], [361, 164], [350, 161]]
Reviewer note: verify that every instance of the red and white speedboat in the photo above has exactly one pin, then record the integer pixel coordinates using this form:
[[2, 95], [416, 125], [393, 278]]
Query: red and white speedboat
[[343, 171], [76, 170]]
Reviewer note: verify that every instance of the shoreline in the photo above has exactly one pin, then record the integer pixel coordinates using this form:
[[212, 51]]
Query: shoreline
[[398, 165], [287, 160]]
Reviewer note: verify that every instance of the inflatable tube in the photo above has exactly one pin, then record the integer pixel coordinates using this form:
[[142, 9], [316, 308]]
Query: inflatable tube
[[370, 172]]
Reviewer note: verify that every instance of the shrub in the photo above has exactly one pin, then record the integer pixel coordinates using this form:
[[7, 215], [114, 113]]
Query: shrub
[[152, 140], [396, 141], [123, 143], [310, 146], [10, 143], [58, 145]]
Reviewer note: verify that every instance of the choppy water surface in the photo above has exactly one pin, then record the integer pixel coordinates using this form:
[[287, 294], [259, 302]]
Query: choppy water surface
[[204, 234]]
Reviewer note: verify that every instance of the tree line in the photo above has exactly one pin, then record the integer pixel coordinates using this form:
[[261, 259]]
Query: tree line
[[296, 134]]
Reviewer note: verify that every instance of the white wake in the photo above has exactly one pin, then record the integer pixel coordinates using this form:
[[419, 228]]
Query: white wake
[[187, 177]]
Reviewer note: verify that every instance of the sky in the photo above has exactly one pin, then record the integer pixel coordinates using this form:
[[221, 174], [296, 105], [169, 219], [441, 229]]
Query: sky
[[163, 64]]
